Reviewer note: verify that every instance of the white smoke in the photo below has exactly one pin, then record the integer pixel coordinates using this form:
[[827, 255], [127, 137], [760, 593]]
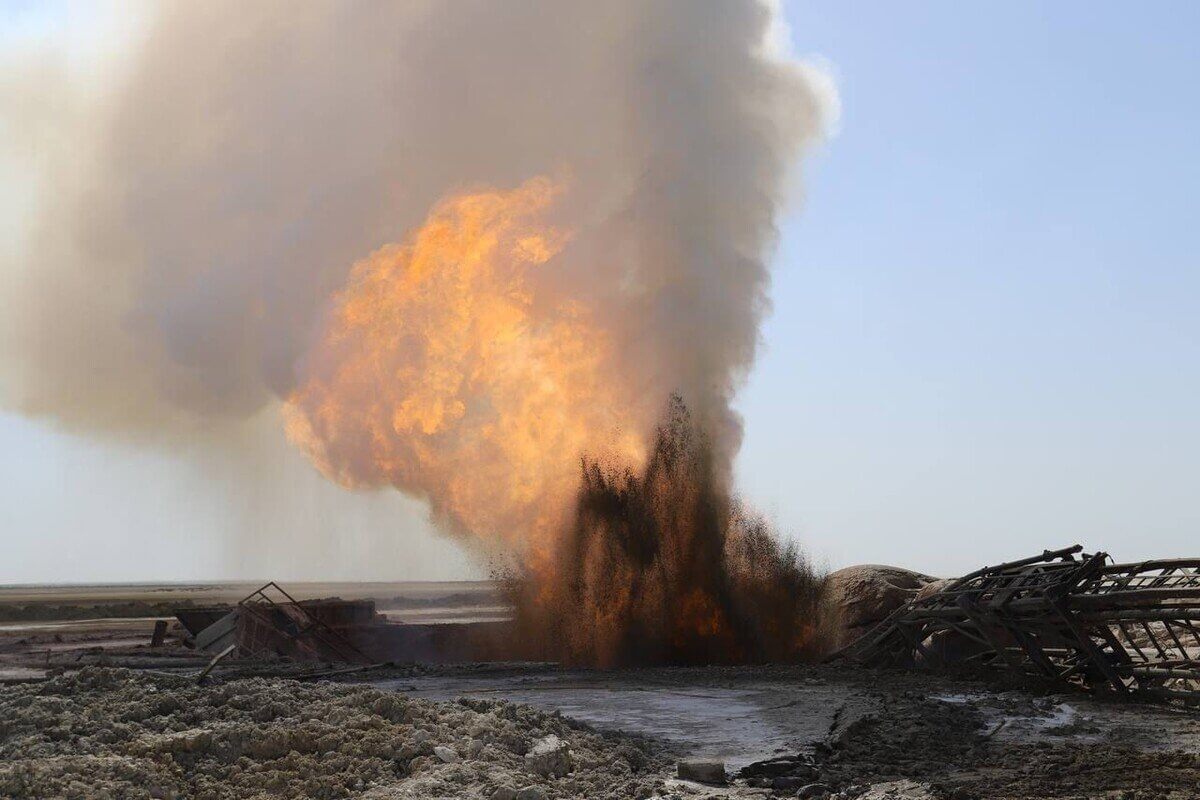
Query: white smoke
[[195, 220]]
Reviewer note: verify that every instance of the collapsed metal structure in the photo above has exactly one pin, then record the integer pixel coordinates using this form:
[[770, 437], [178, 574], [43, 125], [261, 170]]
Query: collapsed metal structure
[[281, 625], [1064, 615], [270, 623]]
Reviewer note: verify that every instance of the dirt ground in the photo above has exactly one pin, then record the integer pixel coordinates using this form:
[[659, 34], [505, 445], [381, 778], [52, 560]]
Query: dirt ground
[[107, 732], [113, 733], [77, 722], [870, 733]]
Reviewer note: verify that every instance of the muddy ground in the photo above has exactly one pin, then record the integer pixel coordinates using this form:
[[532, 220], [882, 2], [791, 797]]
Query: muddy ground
[[106, 732], [75, 722]]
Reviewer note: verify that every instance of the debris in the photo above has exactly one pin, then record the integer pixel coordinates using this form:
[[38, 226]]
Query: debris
[[1064, 615], [215, 660], [160, 633], [219, 635], [270, 623], [550, 756], [334, 673], [196, 618], [702, 771]]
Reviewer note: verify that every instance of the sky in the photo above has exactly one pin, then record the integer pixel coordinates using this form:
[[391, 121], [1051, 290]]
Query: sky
[[984, 339]]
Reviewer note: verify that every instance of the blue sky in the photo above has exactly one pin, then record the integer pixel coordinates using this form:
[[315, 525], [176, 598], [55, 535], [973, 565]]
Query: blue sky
[[984, 339]]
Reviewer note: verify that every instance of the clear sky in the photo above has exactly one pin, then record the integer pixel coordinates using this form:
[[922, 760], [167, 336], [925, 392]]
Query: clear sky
[[986, 338], [984, 341]]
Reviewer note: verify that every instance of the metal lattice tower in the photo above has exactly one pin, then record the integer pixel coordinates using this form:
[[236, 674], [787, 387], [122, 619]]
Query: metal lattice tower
[[1064, 615]]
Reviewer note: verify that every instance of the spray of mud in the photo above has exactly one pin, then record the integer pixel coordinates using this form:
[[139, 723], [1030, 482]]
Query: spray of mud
[[664, 566]]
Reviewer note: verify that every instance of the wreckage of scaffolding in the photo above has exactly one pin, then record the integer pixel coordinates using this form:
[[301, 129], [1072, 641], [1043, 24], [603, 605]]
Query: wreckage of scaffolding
[[1064, 615]]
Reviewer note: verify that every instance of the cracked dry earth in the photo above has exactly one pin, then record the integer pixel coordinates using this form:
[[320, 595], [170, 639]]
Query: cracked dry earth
[[114, 733]]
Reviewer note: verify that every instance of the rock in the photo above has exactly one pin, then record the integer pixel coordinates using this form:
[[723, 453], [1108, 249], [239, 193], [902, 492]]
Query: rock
[[532, 793], [702, 771], [814, 790], [790, 783], [862, 596], [475, 748], [504, 793], [550, 757], [791, 766], [900, 790], [446, 755]]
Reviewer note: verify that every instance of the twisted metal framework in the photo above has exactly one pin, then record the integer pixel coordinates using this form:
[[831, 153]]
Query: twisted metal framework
[[271, 623], [1065, 615]]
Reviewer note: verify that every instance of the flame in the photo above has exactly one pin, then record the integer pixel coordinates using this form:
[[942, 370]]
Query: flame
[[453, 367], [449, 368]]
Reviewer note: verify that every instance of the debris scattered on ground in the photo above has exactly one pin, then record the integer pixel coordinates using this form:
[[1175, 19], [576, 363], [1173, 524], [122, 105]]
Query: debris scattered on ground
[[828, 732]]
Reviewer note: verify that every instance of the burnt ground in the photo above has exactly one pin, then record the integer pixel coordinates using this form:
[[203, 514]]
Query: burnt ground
[[69, 719]]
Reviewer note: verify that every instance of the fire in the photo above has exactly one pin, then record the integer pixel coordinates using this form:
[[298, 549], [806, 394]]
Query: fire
[[453, 367], [449, 368]]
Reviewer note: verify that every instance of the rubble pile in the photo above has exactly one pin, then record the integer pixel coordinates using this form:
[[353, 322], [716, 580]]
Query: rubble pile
[[112, 733], [1067, 616]]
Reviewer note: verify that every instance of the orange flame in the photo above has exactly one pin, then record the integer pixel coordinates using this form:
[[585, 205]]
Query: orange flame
[[453, 367], [450, 369]]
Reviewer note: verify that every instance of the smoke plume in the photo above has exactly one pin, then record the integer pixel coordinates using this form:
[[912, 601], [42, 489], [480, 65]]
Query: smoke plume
[[264, 176]]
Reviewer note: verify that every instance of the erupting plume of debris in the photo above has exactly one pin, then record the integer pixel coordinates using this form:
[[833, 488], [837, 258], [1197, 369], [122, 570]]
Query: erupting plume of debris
[[450, 366], [666, 567], [388, 260]]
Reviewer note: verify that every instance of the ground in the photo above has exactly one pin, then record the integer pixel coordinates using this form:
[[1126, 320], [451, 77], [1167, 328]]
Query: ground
[[76, 722], [108, 732]]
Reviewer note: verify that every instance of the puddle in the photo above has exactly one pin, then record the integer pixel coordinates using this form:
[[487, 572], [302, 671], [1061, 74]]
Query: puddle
[[737, 725]]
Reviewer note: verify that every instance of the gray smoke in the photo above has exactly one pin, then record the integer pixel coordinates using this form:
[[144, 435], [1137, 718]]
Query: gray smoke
[[194, 224]]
